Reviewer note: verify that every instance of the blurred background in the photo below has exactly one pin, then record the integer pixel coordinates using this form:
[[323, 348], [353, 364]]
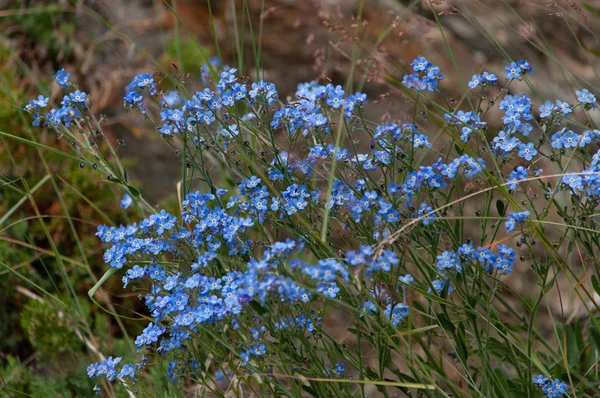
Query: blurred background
[[104, 44]]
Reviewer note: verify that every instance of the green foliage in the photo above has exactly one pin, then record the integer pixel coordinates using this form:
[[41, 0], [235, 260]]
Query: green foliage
[[18, 380], [48, 26], [49, 331], [36, 240], [185, 51]]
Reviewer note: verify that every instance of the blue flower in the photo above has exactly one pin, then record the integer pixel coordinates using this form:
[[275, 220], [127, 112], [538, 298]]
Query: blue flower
[[264, 90], [420, 140], [540, 380], [62, 78], [570, 139], [573, 181], [466, 250], [482, 255], [584, 96], [527, 151], [258, 350], [513, 71], [546, 109], [557, 139], [475, 81], [563, 107], [208, 117], [406, 279], [490, 78], [40, 102], [228, 98], [78, 97], [92, 369], [335, 96], [514, 219], [396, 313], [524, 65], [517, 175], [205, 270], [328, 289], [167, 129], [424, 214], [555, 389], [509, 144], [439, 286], [128, 370], [144, 80], [252, 182], [170, 99], [134, 100], [448, 261], [239, 92], [425, 76], [450, 170], [420, 64], [126, 201], [106, 367], [150, 335], [171, 369], [245, 356]]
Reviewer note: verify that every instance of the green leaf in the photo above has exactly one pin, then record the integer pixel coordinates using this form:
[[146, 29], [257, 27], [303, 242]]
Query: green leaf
[[385, 356], [416, 331], [579, 335], [500, 207], [19, 230], [572, 350], [134, 191], [567, 336], [446, 323], [23, 199], [591, 8], [594, 336], [41, 146], [459, 150], [595, 52], [457, 225], [596, 283], [257, 307], [310, 390], [501, 384], [461, 338], [585, 360], [99, 284]]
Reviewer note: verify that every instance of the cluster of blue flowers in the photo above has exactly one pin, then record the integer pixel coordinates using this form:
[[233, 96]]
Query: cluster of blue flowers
[[393, 310], [206, 271], [108, 367], [551, 389], [183, 302], [512, 220], [586, 183], [502, 262], [425, 76], [516, 69], [204, 108], [70, 110], [483, 80]]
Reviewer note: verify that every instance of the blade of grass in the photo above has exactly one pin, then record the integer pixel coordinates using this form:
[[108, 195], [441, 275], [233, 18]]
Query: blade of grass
[[23, 200]]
